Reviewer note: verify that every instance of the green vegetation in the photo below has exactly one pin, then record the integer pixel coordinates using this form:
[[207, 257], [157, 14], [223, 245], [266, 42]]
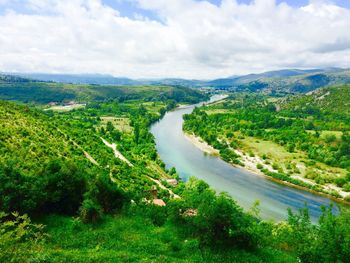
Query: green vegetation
[[79, 186], [52, 162], [199, 227], [309, 140], [27, 91], [332, 100]]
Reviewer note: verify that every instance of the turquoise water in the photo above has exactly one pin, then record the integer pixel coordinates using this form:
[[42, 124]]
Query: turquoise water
[[245, 187]]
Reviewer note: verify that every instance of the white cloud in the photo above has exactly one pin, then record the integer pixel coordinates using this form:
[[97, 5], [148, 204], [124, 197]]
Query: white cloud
[[194, 40]]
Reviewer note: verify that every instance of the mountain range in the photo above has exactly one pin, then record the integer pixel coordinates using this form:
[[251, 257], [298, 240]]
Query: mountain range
[[280, 81]]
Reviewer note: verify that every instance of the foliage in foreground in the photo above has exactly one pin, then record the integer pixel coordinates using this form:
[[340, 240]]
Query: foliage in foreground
[[217, 230]]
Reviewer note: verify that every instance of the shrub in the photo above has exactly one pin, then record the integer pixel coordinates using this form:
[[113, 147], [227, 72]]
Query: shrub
[[65, 187], [346, 187], [90, 211], [107, 194], [275, 166], [19, 192], [340, 181], [20, 238], [157, 214], [221, 222]]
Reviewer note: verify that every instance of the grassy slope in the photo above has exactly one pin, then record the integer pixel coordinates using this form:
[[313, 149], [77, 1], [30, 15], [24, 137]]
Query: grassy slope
[[28, 138], [332, 99], [132, 238], [295, 163]]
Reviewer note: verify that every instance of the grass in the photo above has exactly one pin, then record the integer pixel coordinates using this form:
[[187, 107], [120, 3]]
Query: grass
[[324, 134], [65, 108], [216, 111], [153, 107], [278, 154], [133, 238], [120, 123]]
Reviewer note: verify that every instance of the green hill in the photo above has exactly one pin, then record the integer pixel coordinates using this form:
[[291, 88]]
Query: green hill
[[28, 91], [285, 81], [334, 99], [29, 139]]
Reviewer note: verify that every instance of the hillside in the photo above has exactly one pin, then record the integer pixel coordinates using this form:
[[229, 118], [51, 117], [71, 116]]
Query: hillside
[[29, 139], [28, 91], [56, 168], [42, 167], [285, 81], [100, 79], [331, 99], [97, 79]]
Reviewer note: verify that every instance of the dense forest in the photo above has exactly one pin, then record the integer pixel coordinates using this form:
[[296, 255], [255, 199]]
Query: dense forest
[[81, 186]]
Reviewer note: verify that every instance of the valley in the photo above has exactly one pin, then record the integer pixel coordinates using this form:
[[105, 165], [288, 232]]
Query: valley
[[112, 176], [304, 144]]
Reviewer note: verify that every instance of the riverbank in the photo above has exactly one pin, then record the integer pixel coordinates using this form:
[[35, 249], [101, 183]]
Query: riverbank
[[251, 165], [201, 144]]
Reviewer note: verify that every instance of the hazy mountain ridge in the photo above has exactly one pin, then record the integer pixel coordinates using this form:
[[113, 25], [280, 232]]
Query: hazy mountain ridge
[[286, 81], [27, 91], [279, 81], [98, 79]]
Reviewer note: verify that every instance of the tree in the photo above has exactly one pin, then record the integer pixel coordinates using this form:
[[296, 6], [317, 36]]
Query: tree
[[109, 126], [136, 133]]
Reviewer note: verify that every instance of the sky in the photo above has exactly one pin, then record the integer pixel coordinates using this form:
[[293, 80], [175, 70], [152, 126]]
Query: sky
[[193, 39]]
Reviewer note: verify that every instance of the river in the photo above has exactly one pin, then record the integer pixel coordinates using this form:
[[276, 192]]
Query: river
[[245, 187]]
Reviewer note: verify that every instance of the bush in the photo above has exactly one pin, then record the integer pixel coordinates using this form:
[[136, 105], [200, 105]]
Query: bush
[[346, 187], [20, 193], [259, 166], [340, 181], [19, 238], [157, 214], [58, 187], [219, 221], [328, 241], [65, 187], [275, 166], [90, 211], [107, 194]]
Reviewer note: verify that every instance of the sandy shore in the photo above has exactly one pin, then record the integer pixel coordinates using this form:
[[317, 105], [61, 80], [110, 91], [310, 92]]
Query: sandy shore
[[201, 144], [250, 164]]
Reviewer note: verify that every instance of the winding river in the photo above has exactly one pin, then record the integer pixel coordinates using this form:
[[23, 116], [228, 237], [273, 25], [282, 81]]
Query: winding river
[[245, 187]]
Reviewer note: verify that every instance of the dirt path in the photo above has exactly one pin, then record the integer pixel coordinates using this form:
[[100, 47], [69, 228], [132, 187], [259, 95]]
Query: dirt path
[[87, 155], [117, 154], [172, 194]]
